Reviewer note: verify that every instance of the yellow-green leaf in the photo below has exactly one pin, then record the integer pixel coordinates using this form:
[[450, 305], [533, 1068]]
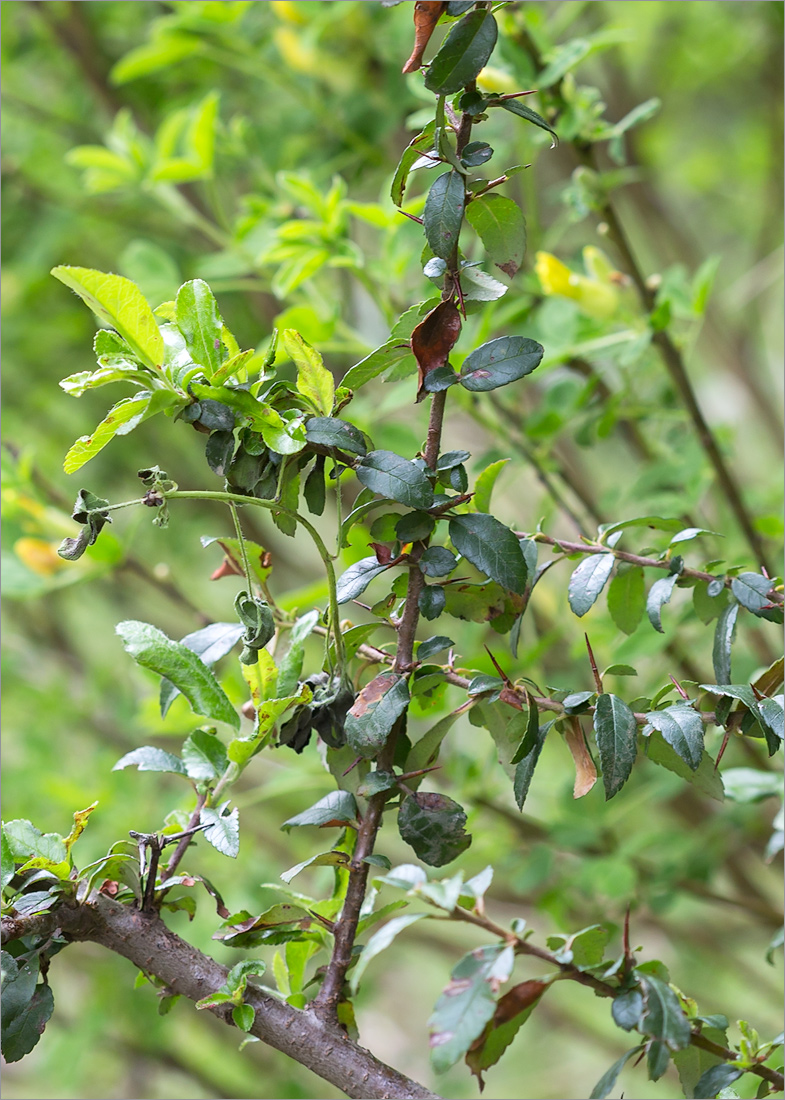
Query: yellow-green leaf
[[314, 381]]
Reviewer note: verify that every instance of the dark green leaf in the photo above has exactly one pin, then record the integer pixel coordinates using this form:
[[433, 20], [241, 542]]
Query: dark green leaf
[[463, 54], [705, 778], [373, 715], [150, 759], [329, 431], [751, 590], [24, 1029], [198, 319], [314, 489], [524, 770], [530, 737], [210, 643], [709, 604], [86, 511], [204, 755], [219, 450], [411, 154], [431, 601], [440, 378], [443, 213], [516, 107], [492, 548], [663, 1017], [617, 740], [501, 227], [476, 153], [337, 806], [627, 597], [682, 728], [723, 640], [716, 1079], [395, 478], [627, 1009], [468, 1002], [437, 561], [578, 702], [478, 685], [388, 355], [659, 594], [357, 577], [433, 825], [588, 581], [608, 1080], [152, 649], [223, 830], [657, 1060], [7, 864], [414, 526], [431, 646], [458, 7], [500, 362]]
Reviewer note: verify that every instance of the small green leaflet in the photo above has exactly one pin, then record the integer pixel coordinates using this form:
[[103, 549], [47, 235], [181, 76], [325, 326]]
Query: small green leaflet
[[394, 477], [204, 755], [716, 1079], [152, 649], [682, 728], [468, 1002], [616, 732], [492, 548], [484, 485], [198, 319], [314, 380], [659, 594], [371, 718], [463, 54], [524, 769], [120, 304], [388, 355], [434, 826], [443, 213], [501, 227], [627, 597], [588, 581], [500, 362]]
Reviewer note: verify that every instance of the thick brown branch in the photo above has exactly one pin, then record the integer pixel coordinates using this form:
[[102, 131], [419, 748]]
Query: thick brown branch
[[146, 941]]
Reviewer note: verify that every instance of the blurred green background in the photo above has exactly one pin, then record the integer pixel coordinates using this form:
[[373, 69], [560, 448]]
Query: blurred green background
[[252, 144]]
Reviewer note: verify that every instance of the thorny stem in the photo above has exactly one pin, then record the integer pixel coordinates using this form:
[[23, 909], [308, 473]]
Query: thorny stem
[[601, 988]]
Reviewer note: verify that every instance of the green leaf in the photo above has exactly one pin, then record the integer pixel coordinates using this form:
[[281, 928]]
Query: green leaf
[[324, 859], [512, 1012], [752, 590], [119, 303], [616, 732], [411, 154], [492, 548], [708, 607], [715, 1079], [244, 1016], [705, 778], [431, 646], [724, 633], [161, 52], [655, 523], [388, 355], [751, 785], [77, 384], [314, 380], [395, 478], [336, 807], [152, 649], [659, 594], [426, 750], [437, 561], [198, 319], [583, 949], [378, 942], [627, 597], [627, 1009], [463, 54], [204, 755], [433, 825], [357, 577], [414, 527], [328, 431], [484, 485], [210, 643], [682, 728], [475, 154], [587, 581], [125, 414], [530, 738], [431, 601], [150, 759], [443, 213], [500, 362], [223, 830], [468, 1002], [375, 710], [25, 1027], [7, 864], [608, 1079], [25, 840], [516, 107], [663, 1017], [483, 683], [501, 227]]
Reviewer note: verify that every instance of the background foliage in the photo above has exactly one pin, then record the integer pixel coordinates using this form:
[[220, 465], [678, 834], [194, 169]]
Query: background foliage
[[252, 145]]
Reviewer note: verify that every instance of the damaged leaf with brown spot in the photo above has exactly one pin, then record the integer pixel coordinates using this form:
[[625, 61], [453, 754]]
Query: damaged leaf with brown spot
[[375, 711], [512, 1012]]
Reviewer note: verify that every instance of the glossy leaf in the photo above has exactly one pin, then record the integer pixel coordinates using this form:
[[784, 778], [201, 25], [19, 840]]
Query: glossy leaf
[[659, 594], [336, 808], [432, 601], [724, 634], [500, 362], [152, 649], [121, 305], [26, 1009], [491, 547], [627, 597], [516, 107], [663, 1017], [443, 213], [314, 380], [357, 577], [437, 561], [395, 478], [715, 1079], [150, 759], [210, 643], [468, 1002], [501, 227], [204, 755], [484, 485], [751, 590], [433, 825], [198, 319], [588, 581], [616, 732], [329, 431], [463, 54], [389, 355], [682, 728], [373, 715], [627, 1009]]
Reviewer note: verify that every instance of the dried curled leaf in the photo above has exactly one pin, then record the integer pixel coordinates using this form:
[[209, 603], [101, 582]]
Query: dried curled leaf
[[585, 771], [433, 340], [426, 15]]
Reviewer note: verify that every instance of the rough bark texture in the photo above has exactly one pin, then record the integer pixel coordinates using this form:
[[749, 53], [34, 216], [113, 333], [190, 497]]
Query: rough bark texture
[[146, 941]]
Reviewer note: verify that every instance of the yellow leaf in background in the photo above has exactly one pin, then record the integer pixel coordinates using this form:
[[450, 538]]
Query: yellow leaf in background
[[39, 556]]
